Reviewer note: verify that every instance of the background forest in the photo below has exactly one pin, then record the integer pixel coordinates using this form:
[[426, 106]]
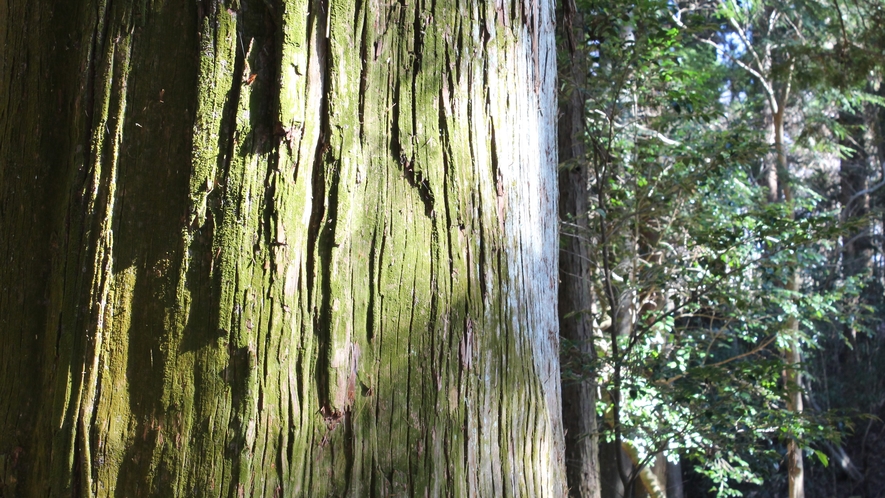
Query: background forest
[[722, 165]]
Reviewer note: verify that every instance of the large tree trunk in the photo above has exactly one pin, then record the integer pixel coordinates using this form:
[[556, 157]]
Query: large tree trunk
[[278, 248], [575, 272]]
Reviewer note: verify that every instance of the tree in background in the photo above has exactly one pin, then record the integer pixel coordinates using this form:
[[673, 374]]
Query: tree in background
[[853, 348], [278, 248], [828, 54], [698, 237], [576, 297]]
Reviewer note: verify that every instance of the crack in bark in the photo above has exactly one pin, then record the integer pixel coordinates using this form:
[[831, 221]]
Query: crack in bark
[[321, 226]]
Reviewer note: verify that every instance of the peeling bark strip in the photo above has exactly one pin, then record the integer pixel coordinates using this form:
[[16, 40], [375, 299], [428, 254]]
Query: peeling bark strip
[[278, 248]]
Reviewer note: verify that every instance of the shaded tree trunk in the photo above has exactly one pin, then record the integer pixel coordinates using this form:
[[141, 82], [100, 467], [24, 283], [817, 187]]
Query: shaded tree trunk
[[854, 174], [675, 488], [611, 484], [278, 248], [575, 272]]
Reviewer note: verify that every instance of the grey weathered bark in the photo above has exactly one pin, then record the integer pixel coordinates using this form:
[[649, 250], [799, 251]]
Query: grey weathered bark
[[278, 248], [575, 272]]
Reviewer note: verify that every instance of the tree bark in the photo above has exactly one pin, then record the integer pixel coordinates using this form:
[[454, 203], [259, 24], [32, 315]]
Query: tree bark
[[278, 248], [854, 174], [779, 183], [575, 273], [675, 488]]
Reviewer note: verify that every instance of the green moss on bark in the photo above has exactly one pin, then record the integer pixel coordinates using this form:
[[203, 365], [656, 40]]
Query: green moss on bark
[[288, 259]]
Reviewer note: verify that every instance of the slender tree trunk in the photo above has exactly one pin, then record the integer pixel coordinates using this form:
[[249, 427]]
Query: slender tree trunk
[[778, 182], [575, 273], [278, 248], [853, 182]]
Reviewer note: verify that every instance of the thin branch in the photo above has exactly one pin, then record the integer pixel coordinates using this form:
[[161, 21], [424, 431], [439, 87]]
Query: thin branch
[[747, 45], [753, 351], [842, 22], [868, 190], [772, 20], [769, 90], [796, 29]]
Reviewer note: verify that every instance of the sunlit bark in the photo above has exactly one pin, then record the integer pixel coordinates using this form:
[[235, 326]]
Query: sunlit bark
[[278, 248]]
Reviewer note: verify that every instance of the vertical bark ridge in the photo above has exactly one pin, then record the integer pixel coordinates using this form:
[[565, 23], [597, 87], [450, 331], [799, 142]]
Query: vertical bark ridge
[[86, 306], [321, 263], [103, 279]]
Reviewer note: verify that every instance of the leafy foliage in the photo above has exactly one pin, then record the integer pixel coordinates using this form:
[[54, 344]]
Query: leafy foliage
[[692, 263]]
